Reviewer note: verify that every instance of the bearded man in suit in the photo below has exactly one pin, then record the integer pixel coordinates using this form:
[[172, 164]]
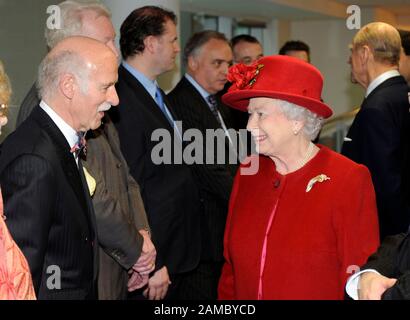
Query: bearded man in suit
[[48, 205]]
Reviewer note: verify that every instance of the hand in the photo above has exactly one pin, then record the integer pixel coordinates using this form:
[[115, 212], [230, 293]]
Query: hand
[[136, 281], [158, 285], [146, 262], [373, 285]]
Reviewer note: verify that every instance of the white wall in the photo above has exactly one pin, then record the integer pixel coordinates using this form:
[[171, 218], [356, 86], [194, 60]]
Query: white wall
[[22, 47], [121, 9], [328, 41]]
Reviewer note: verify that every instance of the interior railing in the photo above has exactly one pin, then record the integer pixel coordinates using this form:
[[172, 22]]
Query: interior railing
[[334, 130]]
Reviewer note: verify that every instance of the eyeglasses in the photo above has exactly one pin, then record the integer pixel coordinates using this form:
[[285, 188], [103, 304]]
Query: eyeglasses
[[3, 110]]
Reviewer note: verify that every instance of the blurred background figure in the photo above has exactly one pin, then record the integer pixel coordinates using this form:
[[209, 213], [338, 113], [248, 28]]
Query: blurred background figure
[[404, 64], [15, 277], [246, 49], [297, 49]]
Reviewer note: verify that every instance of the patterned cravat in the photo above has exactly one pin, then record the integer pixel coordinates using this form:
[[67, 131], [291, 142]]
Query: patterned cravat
[[213, 105], [80, 146]]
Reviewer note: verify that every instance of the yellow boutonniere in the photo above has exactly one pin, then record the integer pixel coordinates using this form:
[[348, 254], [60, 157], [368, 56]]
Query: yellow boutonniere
[[90, 182], [320, 178]]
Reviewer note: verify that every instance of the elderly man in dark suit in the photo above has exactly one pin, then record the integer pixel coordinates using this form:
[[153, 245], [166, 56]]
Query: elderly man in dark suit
[[48, 205], [123, 229], [207, 57], [380, 133], [149, 47]]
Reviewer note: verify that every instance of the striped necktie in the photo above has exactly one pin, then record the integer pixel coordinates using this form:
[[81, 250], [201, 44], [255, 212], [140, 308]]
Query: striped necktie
[[213, 105]]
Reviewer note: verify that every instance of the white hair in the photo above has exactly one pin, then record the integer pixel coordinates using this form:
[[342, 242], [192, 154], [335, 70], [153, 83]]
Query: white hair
[[72, 19], [312, 121], [54, 66]]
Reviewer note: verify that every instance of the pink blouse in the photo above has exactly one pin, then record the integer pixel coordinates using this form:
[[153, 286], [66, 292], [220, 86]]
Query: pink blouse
[[15, 277]]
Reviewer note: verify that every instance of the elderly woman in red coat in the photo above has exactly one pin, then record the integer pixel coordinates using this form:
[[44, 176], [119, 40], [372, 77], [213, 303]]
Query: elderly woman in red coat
[[301, 223]]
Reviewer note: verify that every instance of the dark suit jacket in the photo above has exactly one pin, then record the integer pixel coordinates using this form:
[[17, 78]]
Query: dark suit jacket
[[119, 210], [30, 101], [239, 118], [392, 260], [169, 191], [215, 179], [380, 137], [49, 211]]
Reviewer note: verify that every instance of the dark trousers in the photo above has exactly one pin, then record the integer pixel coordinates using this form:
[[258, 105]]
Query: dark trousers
[[198, 284]]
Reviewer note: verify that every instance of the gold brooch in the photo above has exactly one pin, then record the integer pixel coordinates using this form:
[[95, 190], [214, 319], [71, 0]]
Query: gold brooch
[[258, 69], [320, 178]]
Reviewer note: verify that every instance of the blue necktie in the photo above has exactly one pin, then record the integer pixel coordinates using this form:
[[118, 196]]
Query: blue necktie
[[160, 102]]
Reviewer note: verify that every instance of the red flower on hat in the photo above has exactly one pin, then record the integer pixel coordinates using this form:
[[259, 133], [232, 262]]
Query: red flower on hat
[[243, 76]]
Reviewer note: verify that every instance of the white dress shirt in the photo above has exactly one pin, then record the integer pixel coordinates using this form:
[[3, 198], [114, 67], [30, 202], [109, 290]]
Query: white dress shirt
[[380, 79], [352, 284], [205, 96], [69, 133]]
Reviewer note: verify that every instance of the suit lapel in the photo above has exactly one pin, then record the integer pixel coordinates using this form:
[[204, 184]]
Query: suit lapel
[[200, 105], [203, 108], [144, 97], [63, 151], [389, 82]]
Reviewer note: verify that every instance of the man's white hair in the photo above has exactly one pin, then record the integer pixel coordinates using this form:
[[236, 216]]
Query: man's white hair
[[71, 19], [312, 122], [53, 67]]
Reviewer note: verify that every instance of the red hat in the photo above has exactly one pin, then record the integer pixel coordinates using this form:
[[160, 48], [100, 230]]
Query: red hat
[[279, 77]]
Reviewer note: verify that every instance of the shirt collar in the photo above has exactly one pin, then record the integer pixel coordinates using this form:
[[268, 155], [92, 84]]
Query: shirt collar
[[148, 84], [198, 87], [69, 133], [380, 79]]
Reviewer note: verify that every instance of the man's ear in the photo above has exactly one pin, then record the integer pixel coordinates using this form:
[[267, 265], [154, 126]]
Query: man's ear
[[192, 63], [67, 85], [150, 43], [365, 54]]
